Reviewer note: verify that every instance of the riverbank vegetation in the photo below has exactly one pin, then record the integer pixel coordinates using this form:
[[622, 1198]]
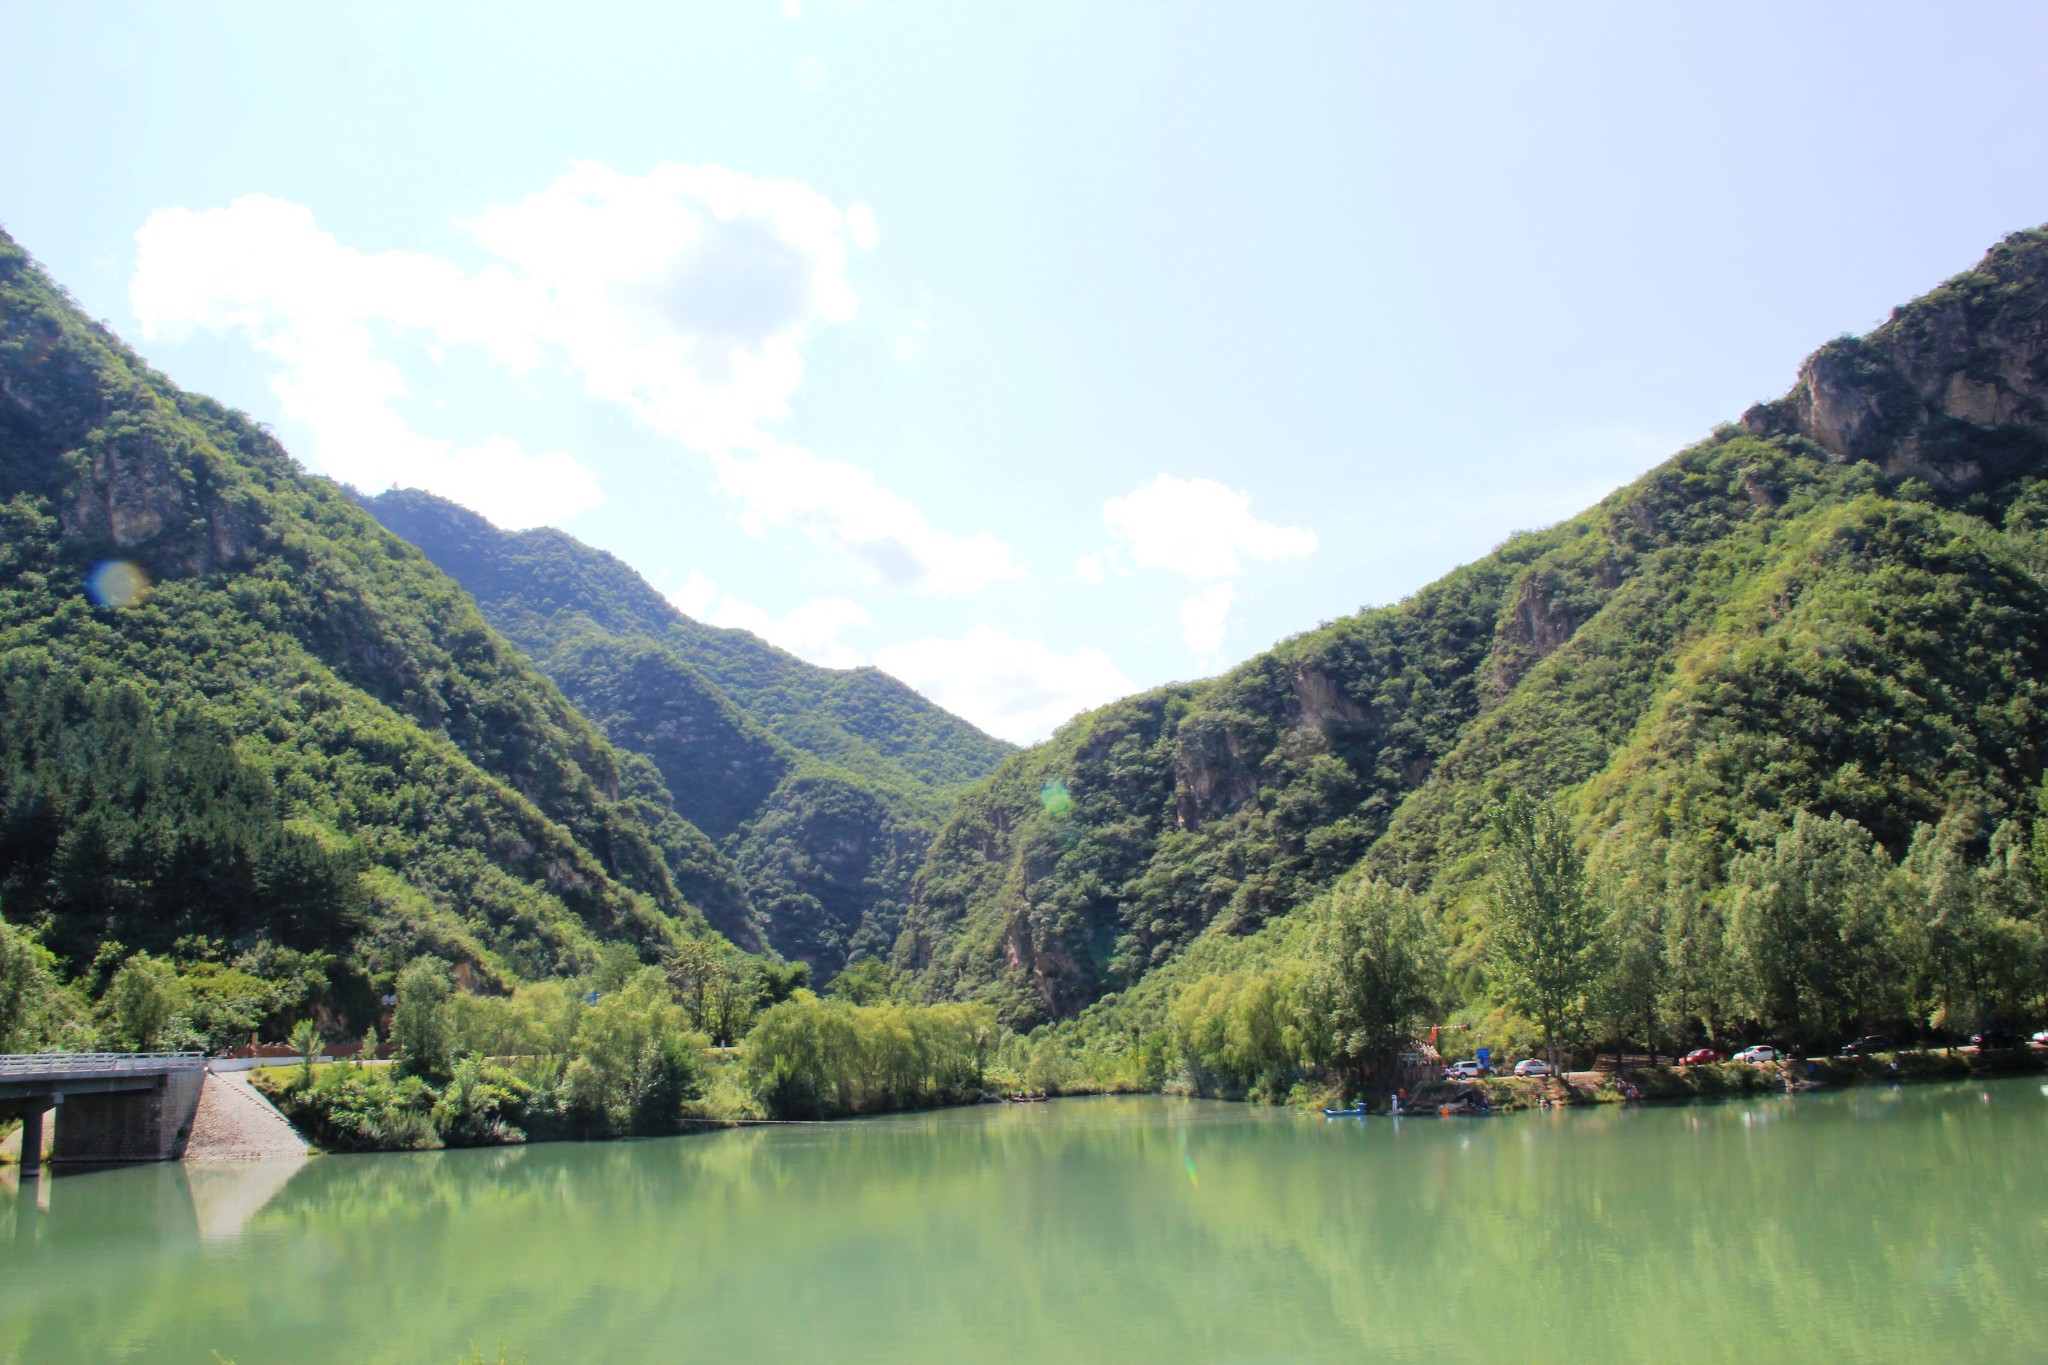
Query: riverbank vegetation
[[1816, 935], [630, 1057]]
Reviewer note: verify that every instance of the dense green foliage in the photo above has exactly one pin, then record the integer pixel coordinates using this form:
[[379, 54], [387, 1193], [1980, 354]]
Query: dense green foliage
[[547, 1061], [1783, 696], [281, 736], [823, 787], [28, 991], [812, 1058], [628, 1057]]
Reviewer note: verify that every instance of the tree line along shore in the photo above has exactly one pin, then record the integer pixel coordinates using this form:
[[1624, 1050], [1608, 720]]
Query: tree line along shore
[[1818, 934]]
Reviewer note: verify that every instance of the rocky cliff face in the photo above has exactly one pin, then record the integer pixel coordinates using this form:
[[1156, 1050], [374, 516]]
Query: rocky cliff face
[[132, 494], [1539, 618], [1213, 775], [1952, 390], [121, 467]]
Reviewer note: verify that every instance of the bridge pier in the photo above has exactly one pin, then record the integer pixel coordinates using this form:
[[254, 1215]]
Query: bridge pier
[[128, 1125], [30, 1112]]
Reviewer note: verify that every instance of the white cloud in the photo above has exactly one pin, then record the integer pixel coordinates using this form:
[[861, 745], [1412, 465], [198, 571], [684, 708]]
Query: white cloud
[[810, 630], [1198, 528], [685, 295], [861, 225], [263, 267], [695, 596], [841, 504], [1202, 618], [1016, 688]]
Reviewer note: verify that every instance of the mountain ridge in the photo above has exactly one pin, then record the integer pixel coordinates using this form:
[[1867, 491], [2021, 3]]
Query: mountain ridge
[[821, 786], [1375, 745]]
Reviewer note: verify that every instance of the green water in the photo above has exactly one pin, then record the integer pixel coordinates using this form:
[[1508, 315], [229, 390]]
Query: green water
[[1872, 1224]]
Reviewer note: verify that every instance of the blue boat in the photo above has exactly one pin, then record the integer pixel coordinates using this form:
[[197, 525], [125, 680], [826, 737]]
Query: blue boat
[[1357, 1112]]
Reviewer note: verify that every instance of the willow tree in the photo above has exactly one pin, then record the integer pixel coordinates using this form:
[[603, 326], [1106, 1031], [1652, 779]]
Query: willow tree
[[1376, 971], [1545, 933]]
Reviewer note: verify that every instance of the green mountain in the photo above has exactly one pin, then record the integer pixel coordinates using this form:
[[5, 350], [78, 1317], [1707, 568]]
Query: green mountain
[[822, 786], [245, 724], [1836, 609]]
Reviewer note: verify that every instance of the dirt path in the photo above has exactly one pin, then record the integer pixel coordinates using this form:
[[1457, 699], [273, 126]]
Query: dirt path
[[235, 1123]]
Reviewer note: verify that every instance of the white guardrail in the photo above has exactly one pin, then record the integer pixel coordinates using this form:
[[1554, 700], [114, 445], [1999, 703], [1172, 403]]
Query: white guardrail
[[97, 1063]]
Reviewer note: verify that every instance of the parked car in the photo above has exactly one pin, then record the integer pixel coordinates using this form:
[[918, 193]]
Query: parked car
[[1762, 1052], [1868, 1044], [1995, 1037], [2042, 1037], [1699, 1056], [1534, 1066], [1467, 1070]]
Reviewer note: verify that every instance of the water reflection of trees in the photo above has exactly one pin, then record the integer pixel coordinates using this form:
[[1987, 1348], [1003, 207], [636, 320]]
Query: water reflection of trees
[[1127, 1229]]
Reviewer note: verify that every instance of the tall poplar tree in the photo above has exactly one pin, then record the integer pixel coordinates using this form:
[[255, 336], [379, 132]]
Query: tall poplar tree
[[1545, 934]]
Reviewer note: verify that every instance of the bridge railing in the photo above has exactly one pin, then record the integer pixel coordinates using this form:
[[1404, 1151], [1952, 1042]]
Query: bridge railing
[[97, 1063]]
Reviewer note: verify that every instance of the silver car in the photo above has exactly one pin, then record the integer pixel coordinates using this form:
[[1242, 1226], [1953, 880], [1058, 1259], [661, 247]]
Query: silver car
[[1534, 1066], [1762, 1052]]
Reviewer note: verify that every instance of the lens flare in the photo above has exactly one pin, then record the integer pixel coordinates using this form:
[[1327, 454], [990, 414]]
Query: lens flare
[[1053, 796], [117, 583]]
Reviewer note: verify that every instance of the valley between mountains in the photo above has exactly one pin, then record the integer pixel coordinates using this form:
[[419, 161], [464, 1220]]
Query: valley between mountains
[[1778, 707]]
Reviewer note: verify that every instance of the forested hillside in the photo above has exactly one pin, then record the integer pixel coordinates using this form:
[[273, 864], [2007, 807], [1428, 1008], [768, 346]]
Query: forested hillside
[[1810, 647], [248, 731], [822, 786]]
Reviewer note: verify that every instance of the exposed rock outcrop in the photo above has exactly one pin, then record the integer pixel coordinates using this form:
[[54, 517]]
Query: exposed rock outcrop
[[1534, 624], [1952, 390], [1321, 704], [134, 492], [1213, 775]]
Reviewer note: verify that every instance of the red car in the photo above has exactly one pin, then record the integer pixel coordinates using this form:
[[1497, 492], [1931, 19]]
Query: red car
[[1699, 1055]]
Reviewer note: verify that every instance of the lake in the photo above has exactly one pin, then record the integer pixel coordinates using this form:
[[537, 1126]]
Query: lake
[[1865, 1224]]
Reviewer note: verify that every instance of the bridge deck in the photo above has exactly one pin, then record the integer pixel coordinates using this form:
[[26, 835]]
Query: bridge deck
[[83, 1073]]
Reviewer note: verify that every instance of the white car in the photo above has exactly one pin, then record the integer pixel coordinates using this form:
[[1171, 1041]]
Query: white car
[[1464, 1071], [1762, 1052], [2042, 1037], [1534, 1066]]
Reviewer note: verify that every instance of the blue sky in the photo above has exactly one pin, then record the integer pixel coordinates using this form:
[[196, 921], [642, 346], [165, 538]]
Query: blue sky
[[1036, 353]]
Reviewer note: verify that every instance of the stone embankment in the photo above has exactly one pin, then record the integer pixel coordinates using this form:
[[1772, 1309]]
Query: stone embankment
[[236, 1123]]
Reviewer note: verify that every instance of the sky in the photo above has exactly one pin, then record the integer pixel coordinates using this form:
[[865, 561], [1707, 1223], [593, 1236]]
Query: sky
[[1034, 353]]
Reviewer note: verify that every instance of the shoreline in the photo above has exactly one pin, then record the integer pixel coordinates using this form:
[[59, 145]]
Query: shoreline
[[1669, 1083]]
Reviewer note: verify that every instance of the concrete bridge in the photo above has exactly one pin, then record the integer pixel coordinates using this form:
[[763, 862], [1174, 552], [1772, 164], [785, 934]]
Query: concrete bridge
[[110, 1106]]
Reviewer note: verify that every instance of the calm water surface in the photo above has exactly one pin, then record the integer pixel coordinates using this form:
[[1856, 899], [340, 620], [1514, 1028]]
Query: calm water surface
[[1871, 1224]]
